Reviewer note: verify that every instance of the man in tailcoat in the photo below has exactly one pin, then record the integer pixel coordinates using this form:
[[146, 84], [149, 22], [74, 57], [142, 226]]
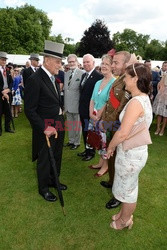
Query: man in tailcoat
[[27, 72], [88, 81], [5, 93], [43, 109]]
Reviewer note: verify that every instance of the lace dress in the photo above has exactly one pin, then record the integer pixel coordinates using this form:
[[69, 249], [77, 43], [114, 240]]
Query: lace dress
[[129, 163]]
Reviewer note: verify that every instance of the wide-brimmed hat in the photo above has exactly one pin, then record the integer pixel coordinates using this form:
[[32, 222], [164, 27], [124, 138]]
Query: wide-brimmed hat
[[34, 57], [3, 55], [53, 49]]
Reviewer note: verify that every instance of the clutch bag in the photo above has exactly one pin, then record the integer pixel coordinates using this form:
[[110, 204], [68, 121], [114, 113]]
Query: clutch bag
[[94, 139]]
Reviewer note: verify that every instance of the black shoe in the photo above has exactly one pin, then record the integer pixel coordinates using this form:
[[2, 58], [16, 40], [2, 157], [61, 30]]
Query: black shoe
[[48, 196], [9, 131], [105, 184], [0, 132], [88, 157], [62, 186], [68, 144], [113, 203], [74, 147], [82, 154]]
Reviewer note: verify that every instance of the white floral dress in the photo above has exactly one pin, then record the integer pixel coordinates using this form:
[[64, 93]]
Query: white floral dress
[[129, 163]]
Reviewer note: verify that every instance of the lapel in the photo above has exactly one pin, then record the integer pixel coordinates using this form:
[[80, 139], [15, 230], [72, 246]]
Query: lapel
[[49, 83], [118, 81]]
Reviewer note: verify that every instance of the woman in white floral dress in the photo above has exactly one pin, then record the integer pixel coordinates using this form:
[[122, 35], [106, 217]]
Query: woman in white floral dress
[[129, 163]]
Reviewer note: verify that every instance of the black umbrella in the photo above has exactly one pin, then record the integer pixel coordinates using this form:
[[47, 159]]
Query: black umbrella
[[11, 118], [53, 164]]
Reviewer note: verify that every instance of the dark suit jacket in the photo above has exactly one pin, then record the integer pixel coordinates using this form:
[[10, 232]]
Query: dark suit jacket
[[9, 82], [42, 105], [155, 81], [86, 93], [26, 74]]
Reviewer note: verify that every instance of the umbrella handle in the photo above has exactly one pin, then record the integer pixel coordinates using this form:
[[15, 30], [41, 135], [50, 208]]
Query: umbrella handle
[[48, 142]]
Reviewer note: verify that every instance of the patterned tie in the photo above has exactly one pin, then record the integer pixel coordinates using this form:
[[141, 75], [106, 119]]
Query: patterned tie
[[4, 71], [69, 80], [84, 79]]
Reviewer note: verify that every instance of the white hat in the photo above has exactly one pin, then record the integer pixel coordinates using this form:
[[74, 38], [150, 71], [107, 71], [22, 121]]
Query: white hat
[[53, 49], [3, 55]]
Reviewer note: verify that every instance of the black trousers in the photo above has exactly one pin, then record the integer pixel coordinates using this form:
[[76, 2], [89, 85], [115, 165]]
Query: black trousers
[[5, 109], [45, 172], [85, 122]]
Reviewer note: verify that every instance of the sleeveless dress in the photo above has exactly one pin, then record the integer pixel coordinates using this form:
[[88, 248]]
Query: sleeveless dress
[[160, 102], [129, 163]]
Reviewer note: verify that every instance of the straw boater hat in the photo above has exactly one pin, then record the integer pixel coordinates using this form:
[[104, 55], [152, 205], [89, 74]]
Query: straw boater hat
[[34, 57], [53, 49], [3, 55]]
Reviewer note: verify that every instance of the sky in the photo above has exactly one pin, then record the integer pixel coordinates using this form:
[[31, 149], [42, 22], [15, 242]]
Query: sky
[[72, 17]]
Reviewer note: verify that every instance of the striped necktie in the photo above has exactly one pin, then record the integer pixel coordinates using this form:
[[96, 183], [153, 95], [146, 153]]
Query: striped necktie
[[84, 79], [69, 80], [4, 71]]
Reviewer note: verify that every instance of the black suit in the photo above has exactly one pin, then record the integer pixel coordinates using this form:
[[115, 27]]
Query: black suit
[[42, 105], [27, 72], [4, 106], [84, 101]]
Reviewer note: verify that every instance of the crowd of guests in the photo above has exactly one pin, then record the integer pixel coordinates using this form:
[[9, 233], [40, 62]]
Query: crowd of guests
[[112, 100]]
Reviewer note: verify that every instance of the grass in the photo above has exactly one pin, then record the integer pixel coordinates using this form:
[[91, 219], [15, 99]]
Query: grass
[[29, 222]]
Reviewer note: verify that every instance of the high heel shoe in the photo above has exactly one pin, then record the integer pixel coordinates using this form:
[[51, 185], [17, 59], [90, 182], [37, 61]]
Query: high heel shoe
[[124, 224], [91, 167], [117, 216], [161, 133], [99, 175], [156, 132]]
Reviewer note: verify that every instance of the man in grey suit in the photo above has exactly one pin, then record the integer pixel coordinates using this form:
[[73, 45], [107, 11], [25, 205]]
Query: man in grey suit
[[71, 101]]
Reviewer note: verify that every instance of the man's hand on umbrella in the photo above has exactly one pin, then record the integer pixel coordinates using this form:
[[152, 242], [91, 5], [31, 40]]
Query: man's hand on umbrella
[[49, 131]]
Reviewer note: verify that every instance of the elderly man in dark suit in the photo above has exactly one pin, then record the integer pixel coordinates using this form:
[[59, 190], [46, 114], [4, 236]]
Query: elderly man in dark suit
[[27, 72], [88, 80], [43, 108], [5, 93]]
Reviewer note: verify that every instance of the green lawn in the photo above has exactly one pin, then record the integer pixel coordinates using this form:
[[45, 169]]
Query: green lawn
[[29, 222]]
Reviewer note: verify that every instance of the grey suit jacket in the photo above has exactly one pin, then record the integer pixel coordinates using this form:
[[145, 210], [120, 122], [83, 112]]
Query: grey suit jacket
[[72, 91]]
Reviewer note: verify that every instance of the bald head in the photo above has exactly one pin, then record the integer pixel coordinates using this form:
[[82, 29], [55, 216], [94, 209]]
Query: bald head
[[88, 62]]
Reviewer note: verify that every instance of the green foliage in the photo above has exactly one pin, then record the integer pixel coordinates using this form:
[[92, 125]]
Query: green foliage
[[139, 44], [156, 50], [131, 41], [23, 30], [28, 222], [96, 40]]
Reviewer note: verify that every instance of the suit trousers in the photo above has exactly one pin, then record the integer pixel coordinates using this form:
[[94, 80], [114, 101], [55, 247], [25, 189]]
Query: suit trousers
[[45, 172], [5, 109], [74, 128]]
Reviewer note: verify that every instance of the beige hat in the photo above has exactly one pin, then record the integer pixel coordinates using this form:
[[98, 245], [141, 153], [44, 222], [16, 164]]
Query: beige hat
[[3, 55], [34, 57], [53, 49]]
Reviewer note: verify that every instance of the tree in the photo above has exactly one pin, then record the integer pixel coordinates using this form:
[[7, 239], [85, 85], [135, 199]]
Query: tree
[[131, 41], [155, 50], [96, 40], [23, 30]]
